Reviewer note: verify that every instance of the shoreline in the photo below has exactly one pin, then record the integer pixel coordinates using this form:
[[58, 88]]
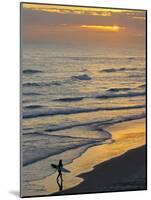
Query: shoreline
[[126, 136]]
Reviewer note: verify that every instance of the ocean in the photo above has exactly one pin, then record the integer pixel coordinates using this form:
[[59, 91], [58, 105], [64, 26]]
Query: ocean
[[69, 95]]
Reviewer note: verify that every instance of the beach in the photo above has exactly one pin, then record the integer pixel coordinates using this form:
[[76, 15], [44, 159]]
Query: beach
[[117, 165], [123, 173]]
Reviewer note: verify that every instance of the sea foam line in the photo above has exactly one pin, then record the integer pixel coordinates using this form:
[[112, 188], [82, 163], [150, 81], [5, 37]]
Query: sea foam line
[[27, 115]]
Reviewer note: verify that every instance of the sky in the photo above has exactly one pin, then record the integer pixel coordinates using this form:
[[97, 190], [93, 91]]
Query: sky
[[68, 25]]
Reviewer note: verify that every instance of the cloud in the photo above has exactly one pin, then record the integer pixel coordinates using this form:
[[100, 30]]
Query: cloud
[[105, 12]]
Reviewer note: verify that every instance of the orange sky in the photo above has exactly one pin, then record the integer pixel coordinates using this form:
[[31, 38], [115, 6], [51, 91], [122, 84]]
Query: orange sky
[[82, 25]]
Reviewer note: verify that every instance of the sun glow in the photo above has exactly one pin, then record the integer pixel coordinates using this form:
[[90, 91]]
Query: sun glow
[[102, 28]]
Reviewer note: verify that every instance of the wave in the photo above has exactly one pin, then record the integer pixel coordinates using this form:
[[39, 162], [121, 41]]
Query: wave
[[75, 111], [50, 151], [69, 99], [118, 89], [41, 84], [105, 96], [98, 123], [47, 134], [25, 129], [136, 76], [110, 70], [34, 106], [132, 94], [55, 83], [85, 58], [31, 71], [31, 94], [83, 77], [142, 86], [45, 153]]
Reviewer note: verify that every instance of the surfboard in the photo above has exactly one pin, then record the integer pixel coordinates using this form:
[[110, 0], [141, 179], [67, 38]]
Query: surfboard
[[62, 168]]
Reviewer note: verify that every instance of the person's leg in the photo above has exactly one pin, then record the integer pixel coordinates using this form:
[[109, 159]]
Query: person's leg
[[61, 176], [58, 176]]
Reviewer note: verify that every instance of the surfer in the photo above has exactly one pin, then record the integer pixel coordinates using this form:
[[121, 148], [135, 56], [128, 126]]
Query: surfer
[[60, 169], [60, 166]]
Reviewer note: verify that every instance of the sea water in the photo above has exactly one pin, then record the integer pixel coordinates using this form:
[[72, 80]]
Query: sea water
[[69, 95]]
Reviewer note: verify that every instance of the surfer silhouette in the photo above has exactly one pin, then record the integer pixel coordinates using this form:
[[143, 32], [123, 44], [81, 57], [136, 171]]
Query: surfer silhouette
[[60, 166], [60, 169]]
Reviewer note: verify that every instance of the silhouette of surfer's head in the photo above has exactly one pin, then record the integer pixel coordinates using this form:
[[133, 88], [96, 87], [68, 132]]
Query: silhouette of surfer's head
[[60, 163]]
